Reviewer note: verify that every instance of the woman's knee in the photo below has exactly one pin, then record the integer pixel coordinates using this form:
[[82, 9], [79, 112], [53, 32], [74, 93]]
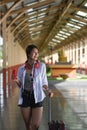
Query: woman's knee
[[35, 126]]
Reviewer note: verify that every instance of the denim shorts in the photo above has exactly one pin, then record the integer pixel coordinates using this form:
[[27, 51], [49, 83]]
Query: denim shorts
[[29, 101]]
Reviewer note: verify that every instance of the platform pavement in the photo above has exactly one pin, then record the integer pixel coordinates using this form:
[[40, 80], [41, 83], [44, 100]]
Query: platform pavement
[[68, 104]]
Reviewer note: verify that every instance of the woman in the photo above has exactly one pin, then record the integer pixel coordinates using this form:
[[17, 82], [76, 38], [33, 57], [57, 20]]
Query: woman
[[33, 82]]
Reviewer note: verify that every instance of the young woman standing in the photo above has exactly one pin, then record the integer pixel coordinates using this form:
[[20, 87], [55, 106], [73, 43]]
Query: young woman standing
[[32, 81]]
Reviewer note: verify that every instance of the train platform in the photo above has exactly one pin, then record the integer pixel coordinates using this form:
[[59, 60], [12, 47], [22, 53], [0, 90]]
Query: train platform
[[69, 104]]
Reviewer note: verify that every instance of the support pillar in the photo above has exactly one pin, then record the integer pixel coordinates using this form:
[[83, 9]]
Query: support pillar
[[9, 37], [86, 69], [4, 52]]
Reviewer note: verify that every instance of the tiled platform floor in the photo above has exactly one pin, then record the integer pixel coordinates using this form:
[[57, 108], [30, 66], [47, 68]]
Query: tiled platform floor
[[71, 103], [68, 104]]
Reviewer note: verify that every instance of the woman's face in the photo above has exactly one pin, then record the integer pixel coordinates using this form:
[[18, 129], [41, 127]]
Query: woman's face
[[34, 54]]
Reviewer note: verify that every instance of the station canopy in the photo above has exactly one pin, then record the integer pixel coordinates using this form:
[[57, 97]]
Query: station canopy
[[49, 24]]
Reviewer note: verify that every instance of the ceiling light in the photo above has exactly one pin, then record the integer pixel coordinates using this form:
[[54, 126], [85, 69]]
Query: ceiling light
[[29, 10], [85, 5], [81, 13]]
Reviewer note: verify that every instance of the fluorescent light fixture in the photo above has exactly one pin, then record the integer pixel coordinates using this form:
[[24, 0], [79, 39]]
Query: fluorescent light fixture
[[52, 43], [81, 13], [85, 5], [41, 14], [69, 24], [74, 20], [35, 33], [30, 32], [30, 13], [62, 38], [32, 19], [38, 32], [29, 10], [74, 26], [39, 26], [54, 40], [40, 22], [64, 29], [42, 0], [43, 9], [78, 27], [62, 32], [59, 34], [65, 33], [62, 35], [31, 28], [71, 31]]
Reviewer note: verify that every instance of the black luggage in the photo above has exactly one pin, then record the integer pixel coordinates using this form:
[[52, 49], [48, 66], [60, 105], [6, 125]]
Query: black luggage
[[52, 124]]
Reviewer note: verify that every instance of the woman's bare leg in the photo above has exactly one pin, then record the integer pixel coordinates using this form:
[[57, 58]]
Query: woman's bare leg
[[26, 113], [36, 117]]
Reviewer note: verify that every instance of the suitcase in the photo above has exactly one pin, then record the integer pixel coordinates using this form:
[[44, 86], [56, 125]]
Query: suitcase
[[52, 124]]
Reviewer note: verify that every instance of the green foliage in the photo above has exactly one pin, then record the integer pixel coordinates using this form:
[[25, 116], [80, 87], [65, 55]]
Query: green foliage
[[48, 70], [0, 54]]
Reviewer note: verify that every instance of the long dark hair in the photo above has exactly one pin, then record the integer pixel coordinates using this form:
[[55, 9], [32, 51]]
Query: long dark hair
[[29, 49]]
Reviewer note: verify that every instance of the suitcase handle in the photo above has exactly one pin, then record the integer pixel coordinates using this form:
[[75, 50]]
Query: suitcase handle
[[49, 109]]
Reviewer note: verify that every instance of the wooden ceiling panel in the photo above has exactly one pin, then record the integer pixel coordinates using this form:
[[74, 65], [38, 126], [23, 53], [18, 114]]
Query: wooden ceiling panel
[[46, 23]]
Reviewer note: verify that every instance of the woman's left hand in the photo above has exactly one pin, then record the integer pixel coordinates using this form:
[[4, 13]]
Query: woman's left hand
[[50, 93]]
